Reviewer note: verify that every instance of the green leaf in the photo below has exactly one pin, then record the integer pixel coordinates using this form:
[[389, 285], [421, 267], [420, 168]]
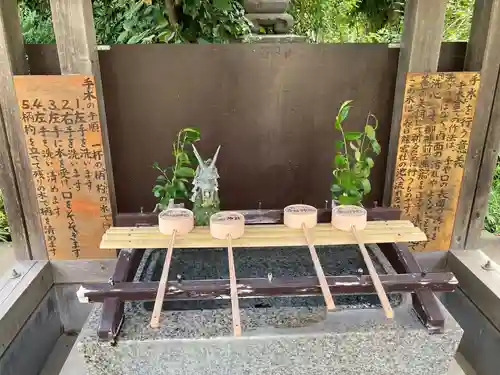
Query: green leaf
[[192, 134], [161, 180], [339, 144], [340, 160], [185, 172], [345, 199], [164, 201], [222, 4], [128, 25], [345, 179], [158, 191], [357, 155], [138, 37], [132, 11], [171, 191], [166, 36], [370, 132], [369, 162], [184, 158], [367, 187], [376, 121], [351, 136], [181, 186], [376, 147], [335, 188], [344, 110], [122, 37]]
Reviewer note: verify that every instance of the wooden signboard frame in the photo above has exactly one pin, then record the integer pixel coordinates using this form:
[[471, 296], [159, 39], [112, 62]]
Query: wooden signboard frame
[[60, 120], [436, 125]]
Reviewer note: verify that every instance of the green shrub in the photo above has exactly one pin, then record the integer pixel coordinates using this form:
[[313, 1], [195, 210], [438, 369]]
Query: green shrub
[[492, 220], [4, 225]]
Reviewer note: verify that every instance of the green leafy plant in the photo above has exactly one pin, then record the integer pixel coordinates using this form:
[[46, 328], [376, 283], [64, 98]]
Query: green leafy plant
[[353, 161], [148, 21], [171, 183]]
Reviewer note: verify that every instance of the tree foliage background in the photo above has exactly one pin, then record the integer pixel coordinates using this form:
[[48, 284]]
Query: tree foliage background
[[223, 21]]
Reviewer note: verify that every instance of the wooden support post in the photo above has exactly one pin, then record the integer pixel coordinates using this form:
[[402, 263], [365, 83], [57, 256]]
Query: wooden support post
[[420, 48], [77, 49], [482, 55], [16, 179]]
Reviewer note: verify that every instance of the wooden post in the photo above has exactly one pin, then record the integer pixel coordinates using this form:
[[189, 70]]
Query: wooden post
[[16, 179], [482, 55], [420, 48], [77, 49]]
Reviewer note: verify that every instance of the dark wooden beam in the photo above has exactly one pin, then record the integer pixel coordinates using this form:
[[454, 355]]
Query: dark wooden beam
[[16, 180], [255, 287], [482, 55], [77, 50], [419, 52], [425, 302], [112, 309]]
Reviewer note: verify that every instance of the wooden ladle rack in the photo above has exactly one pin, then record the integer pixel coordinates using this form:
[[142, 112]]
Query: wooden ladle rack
[[382, 228]]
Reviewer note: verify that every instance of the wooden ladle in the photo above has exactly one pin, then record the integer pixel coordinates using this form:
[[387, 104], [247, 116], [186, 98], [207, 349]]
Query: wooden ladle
[[172, 221], [351, 219], [228, 225], [302, 216]]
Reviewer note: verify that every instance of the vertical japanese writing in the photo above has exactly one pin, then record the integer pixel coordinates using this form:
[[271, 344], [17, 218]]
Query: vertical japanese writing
[[63, 137], [435, 129]]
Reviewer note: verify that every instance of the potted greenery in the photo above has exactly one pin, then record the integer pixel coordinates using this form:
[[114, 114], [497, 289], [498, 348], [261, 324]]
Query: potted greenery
[[171, 184], [353, 160]]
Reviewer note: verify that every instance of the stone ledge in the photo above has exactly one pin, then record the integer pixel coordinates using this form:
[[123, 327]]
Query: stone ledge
[[480, 285]]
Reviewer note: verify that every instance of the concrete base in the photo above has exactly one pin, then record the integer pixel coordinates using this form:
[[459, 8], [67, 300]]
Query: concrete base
[[346, 342], [293, 336]]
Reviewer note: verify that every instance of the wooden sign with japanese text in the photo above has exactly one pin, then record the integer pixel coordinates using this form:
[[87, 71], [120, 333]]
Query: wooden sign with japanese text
[[435, 130], [60, 119]]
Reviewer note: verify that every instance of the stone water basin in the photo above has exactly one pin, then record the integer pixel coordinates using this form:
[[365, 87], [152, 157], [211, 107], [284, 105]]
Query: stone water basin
[[281, 335]]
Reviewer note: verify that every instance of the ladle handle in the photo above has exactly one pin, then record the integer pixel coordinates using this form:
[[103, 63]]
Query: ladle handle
[[327, 295], [235, 308], [374, 276], [160, 295]]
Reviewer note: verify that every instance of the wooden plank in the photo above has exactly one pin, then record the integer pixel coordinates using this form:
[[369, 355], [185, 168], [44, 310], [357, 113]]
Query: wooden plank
[[8, 181], [436, 126], [420, 48], [63, 137], [259, 236], [21, 300], [482, 55], [77, 50], [12, 199], [199, 233], [485, 179], [82, 270], [15, 177]]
